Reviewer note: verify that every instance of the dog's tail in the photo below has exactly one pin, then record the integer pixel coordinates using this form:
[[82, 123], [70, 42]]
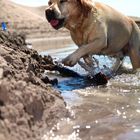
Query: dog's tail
[[134, 43]]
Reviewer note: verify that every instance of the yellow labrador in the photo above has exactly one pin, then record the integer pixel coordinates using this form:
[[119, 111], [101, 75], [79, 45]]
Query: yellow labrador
[[97, 29]]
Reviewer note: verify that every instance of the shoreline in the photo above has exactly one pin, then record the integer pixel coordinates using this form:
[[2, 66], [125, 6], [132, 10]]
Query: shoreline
[[48, 38], [44, 44]]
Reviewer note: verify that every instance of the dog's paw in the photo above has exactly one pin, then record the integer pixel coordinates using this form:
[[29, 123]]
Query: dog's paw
[[69, 61]]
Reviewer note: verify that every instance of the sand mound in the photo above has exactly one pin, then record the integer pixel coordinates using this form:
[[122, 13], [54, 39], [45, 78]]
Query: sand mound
[[29, 105], [11, 12]]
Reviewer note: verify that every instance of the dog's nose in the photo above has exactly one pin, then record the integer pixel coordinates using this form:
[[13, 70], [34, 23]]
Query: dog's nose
[[50, 14], [47, 11]]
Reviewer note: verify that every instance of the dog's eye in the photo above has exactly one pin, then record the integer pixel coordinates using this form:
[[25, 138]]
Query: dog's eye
[[62, 1], [49, 3]]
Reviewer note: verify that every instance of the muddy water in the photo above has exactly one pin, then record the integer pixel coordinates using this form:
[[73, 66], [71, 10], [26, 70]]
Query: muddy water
[[110, 112]]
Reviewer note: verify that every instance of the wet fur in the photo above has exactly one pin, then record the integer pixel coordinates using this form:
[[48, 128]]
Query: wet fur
[[99, 29]]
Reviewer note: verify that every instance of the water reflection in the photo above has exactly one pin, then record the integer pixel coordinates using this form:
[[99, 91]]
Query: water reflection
[[75, 83]]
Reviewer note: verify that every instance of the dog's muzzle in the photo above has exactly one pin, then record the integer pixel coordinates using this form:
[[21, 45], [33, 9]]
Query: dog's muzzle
[[53, 18]]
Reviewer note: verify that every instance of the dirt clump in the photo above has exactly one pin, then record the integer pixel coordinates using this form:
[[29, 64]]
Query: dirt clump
[[29, 105]]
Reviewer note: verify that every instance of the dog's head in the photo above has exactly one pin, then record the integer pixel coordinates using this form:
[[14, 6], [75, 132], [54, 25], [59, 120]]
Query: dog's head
[[60, 13]]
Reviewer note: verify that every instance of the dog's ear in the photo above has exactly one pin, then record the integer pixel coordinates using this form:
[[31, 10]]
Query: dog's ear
[[86, 6]]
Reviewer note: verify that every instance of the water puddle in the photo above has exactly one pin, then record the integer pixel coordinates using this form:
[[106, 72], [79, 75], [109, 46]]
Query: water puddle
[[110, 112]]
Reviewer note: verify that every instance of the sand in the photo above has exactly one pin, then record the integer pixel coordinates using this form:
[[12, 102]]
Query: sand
[[29, 105]]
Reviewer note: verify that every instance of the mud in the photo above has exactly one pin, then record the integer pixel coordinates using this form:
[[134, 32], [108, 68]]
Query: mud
[[29, 105]]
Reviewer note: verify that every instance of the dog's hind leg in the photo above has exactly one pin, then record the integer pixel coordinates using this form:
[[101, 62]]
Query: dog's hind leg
[[134, 47], [134, 57]]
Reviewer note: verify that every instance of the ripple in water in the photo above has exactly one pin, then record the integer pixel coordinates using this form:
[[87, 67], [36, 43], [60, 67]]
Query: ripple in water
[[100, 113]]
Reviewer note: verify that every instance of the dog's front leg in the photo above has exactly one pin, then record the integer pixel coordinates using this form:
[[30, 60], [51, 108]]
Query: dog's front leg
[[91, 64], [92, 48], [90, 61]]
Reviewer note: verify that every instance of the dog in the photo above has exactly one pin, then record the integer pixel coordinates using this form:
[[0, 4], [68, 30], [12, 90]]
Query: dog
[[96, 28]]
